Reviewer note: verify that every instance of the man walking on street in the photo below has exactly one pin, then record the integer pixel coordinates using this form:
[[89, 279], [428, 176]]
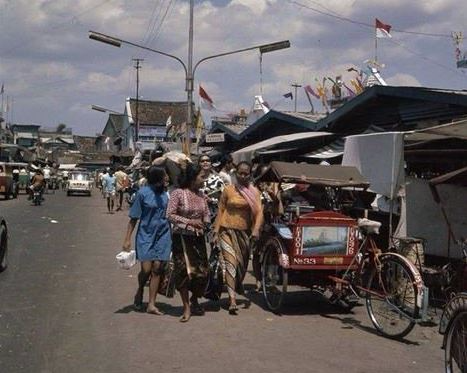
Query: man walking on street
[[108, 186], [121, 182]]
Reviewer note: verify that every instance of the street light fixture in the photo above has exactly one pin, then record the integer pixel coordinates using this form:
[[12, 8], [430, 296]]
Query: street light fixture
[[104, 110], [189, 71], [120, 133]]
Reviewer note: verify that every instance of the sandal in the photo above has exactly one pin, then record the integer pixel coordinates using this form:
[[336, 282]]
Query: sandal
[[233, 309], [185, 318], [155, 311], [197, 309]]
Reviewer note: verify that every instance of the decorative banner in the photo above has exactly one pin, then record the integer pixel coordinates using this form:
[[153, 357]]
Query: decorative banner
[[288, 95], [308, 89]]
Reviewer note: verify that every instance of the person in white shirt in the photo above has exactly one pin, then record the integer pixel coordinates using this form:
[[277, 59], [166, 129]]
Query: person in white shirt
[[46, 173], [64, 179]]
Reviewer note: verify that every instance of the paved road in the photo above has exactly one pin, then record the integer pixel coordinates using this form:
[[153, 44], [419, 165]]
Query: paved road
[[66, 307]]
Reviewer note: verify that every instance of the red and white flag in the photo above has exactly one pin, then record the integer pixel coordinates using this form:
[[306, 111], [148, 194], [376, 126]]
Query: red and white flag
[[382, 29], [206, 101]]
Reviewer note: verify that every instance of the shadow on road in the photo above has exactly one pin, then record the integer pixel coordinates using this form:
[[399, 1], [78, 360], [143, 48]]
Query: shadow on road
[[350, 322]]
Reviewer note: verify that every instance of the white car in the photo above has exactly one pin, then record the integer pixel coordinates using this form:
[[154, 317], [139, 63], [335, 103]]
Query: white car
[[79, 183]]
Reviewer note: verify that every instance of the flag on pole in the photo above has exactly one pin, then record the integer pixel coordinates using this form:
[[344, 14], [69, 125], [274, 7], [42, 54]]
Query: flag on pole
[[308, 89], [206, 101], [288, 95], [168, 122], [382, 29]]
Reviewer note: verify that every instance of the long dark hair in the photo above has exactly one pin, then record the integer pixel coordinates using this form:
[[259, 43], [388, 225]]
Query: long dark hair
[[188, 176], [155, 177]]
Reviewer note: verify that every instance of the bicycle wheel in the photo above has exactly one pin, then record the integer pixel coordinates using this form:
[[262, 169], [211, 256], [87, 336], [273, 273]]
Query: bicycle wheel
[[274, 277], [392, 298], [456, 344]]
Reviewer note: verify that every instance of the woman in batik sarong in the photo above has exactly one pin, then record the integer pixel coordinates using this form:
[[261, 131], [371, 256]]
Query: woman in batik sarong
[[238, 223], [188, 212]]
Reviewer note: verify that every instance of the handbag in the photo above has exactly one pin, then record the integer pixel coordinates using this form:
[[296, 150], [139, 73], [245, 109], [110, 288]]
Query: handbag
[[215, 279], [167, 281]]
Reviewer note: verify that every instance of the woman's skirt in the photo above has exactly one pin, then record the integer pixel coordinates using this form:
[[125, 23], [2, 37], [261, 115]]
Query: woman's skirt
[[190, 263], [235, 248]]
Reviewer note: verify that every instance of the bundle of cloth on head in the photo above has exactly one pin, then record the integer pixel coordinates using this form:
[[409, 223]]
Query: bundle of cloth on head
[[173, 162]]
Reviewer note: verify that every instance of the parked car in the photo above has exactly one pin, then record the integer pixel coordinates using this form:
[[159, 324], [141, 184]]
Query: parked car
[[3, 244], [79, 182], [8, 186]]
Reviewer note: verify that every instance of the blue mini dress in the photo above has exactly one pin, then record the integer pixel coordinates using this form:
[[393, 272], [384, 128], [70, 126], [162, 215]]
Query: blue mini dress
[[153, 239]]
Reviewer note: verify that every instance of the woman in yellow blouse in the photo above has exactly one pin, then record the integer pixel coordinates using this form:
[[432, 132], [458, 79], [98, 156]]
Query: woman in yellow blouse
[[238, 222]]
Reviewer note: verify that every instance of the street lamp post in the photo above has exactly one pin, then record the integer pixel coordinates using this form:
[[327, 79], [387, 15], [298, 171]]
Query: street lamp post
[[190, 70]]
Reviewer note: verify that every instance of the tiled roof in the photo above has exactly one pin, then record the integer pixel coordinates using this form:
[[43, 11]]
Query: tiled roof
[[157, 112], [117, 121]]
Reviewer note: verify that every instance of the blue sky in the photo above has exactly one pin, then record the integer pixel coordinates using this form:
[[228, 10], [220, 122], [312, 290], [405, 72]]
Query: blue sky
[[53, 72]]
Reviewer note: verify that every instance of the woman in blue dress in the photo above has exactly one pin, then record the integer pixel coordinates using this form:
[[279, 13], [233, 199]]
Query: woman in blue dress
[[153, 241]]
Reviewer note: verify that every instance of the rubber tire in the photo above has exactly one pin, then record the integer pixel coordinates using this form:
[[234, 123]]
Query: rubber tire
[[461, 312], [68, 193], [271, 249], [411, 325], [3, 248]]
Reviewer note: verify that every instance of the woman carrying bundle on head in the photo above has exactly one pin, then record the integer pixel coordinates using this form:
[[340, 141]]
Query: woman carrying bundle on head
[[238, 222]]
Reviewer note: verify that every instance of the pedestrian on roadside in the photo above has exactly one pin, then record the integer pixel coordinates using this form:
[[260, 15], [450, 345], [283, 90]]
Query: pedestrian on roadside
[[104, 173], [153, 241], [189, 213], [109, 188], [238, 222], [121, 179]]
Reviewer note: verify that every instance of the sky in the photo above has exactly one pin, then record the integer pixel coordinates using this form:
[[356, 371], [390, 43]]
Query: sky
[[52, 72]]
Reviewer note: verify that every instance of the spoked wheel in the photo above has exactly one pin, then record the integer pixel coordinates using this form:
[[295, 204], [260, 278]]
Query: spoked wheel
[[274, 277], [392, 299], [456, 344]]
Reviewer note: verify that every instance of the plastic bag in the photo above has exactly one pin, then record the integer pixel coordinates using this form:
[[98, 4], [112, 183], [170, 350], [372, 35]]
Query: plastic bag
[[126, 259]]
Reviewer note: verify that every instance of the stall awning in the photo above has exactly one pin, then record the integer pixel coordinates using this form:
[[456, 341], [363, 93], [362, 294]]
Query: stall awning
[[334, 149], [248, 153], [337, 176], [449, 130]]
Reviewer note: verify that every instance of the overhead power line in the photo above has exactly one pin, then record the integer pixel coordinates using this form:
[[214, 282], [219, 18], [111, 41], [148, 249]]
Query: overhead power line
[[337, 16], [370, 25]]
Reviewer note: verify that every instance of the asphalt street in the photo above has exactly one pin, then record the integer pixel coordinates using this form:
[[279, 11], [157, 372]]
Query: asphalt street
[[65, 306]]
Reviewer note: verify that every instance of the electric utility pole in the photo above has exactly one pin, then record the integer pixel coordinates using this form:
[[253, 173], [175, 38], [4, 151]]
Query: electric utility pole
[[137, 67], [296, 86]]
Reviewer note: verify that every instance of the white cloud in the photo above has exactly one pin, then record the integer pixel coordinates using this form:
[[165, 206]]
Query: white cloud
[[403, 80]]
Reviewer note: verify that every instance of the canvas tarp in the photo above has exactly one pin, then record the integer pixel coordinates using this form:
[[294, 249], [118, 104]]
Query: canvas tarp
[[380, 159]]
